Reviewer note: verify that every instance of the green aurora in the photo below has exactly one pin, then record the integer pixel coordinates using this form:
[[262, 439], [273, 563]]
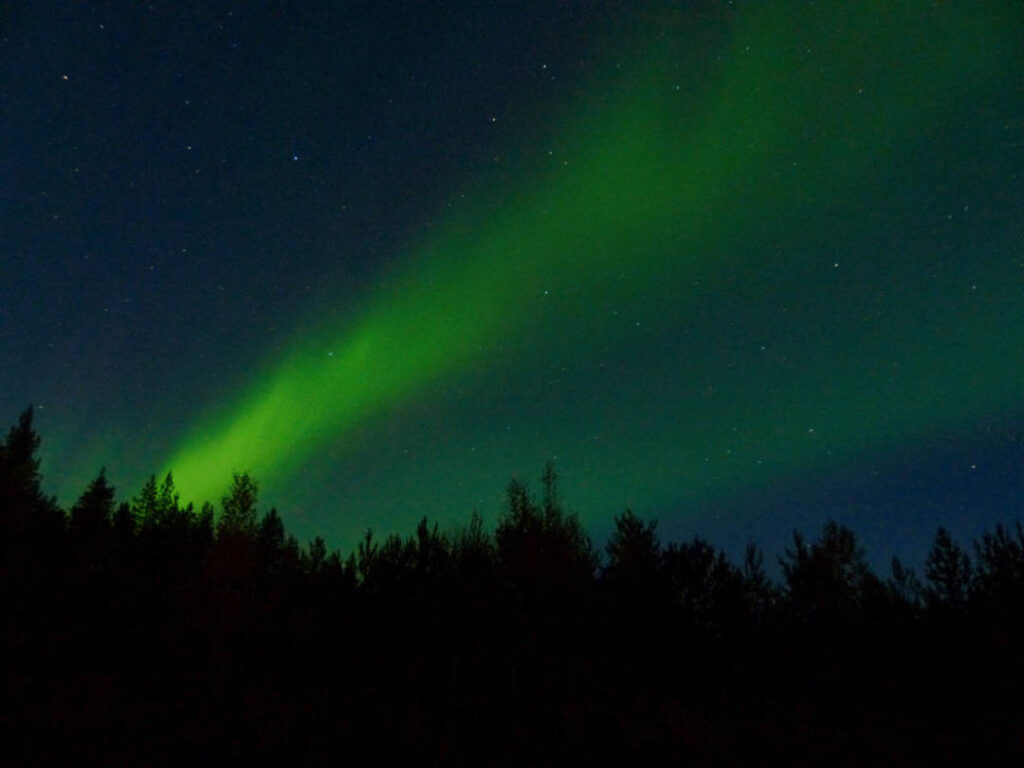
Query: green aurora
[[681, 199]]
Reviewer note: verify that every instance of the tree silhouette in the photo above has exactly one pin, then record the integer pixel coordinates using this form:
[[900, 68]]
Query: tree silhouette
[[32, 527], [238, 508], [144, 505], [1000, 563], [432, 562], [91, 515], [167, 506], [21, 477], [543, 550], [143, 629], [473, 551], [366, 557], [202, 531], [314, 559], [826, 581], [23, 507], [634, 552], [707, 590], [948, 574], [271, 531], [998, 586], [905, 591], [123, 527], [551, 498]]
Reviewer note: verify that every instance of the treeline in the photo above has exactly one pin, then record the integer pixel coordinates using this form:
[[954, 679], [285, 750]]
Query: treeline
[[149, 633]]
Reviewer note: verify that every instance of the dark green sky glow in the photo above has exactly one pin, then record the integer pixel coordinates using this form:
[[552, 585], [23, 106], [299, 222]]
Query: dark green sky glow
[[694, 280], [656, 198]]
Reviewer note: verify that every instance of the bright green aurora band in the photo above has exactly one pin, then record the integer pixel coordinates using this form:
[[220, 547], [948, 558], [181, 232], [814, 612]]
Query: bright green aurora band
[[674, 182]]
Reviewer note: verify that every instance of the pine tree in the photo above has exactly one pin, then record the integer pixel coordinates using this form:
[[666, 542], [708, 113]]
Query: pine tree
[[634, 551], [23, 507], [948, 574], [90, 517], [826, 581], [238, 508]]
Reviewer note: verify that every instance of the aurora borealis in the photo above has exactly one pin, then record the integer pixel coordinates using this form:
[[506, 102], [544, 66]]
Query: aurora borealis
[[724, 260]]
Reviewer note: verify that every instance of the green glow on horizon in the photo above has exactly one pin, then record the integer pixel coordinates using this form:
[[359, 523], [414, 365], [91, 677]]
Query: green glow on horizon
[[660, 184]]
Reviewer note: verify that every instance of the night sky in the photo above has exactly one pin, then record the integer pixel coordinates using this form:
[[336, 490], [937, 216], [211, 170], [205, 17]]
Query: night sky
[[741, 267]]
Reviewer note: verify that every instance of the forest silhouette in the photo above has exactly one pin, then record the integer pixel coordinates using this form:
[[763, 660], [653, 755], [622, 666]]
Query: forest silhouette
[[145, 632]]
